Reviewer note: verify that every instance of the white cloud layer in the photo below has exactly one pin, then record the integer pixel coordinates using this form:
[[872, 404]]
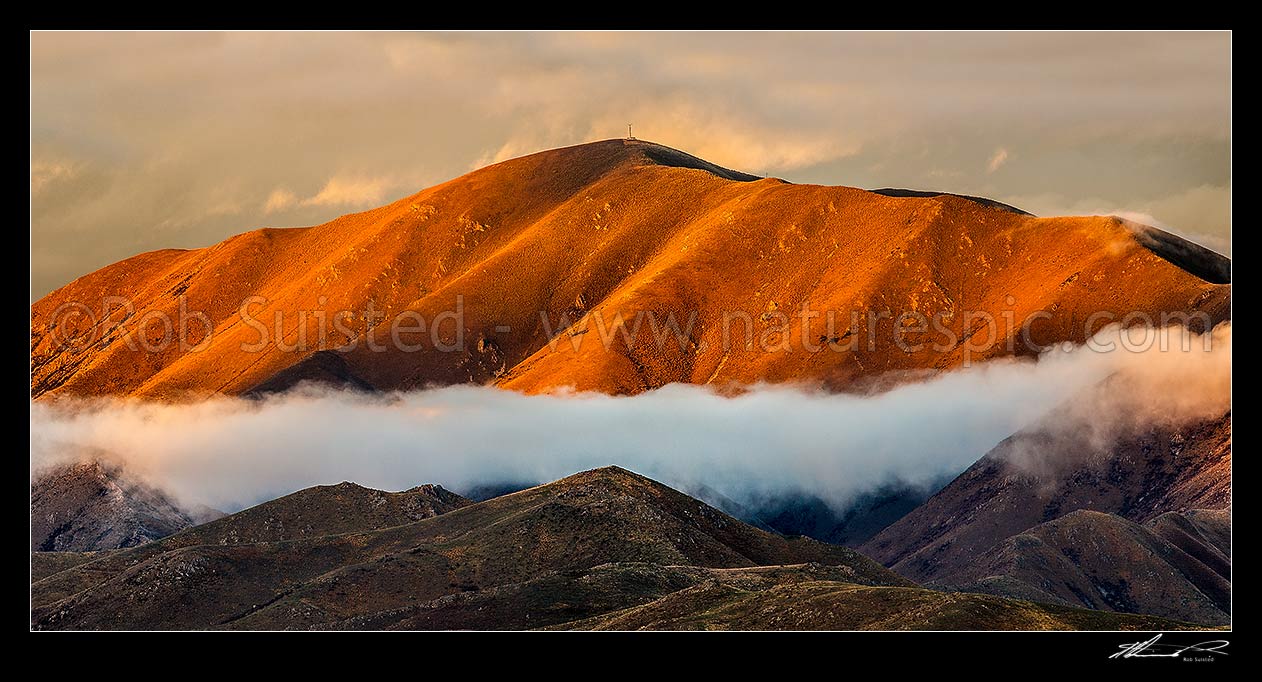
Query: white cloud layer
[[766, 443]]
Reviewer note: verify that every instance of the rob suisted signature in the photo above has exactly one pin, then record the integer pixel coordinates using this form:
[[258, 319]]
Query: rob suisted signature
[[1153, 649]]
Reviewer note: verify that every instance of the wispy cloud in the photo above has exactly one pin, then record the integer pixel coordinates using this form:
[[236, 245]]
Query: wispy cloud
[[999, 158], [44, 173], [350, 191], [279, 200]]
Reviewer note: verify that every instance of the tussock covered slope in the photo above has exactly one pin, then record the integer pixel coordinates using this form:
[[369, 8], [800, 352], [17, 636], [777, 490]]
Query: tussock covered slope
[[611, 228]]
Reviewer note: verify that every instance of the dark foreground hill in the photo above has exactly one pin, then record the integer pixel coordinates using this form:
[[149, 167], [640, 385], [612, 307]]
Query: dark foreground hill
[[1169, 567], [1141, 527], [578, 552], [744, 600]]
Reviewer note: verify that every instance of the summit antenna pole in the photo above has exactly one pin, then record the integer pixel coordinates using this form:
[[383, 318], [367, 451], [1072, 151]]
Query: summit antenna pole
[[629, 132]]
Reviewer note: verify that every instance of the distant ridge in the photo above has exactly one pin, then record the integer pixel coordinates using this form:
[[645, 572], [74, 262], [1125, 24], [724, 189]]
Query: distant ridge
[[92, 505], [991, 203]]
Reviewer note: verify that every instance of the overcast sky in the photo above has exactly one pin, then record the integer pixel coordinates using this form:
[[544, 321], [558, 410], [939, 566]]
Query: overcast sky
[[156, 140]]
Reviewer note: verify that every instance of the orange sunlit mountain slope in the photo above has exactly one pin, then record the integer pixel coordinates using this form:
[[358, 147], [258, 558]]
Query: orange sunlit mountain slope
[[494, 263]]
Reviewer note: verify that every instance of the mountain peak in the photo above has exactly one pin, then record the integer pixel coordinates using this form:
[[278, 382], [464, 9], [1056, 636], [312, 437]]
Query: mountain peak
[[635, 152], [662, 155], [609, 472]]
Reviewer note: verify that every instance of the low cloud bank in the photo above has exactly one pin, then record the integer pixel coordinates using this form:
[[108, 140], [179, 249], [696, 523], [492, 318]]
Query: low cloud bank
[[766, 443]]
